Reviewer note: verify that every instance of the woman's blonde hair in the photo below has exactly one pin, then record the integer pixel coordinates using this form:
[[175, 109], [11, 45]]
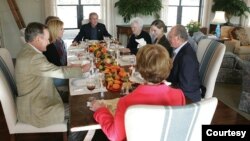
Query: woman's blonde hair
[[54, 26], [153, 63]]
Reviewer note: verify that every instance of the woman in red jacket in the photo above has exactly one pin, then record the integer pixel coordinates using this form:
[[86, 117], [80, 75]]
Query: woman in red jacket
[[154, 65]]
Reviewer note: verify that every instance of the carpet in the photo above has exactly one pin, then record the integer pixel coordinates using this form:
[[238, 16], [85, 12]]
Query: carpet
[[229, 94]]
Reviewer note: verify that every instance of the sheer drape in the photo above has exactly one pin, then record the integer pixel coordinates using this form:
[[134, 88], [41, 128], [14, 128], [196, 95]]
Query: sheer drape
[[164, 11], [50, 8], [107, 10]]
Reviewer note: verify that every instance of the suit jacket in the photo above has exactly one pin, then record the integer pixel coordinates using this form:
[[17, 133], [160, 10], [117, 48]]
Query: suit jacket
[[85, 32], [132, 44], [185, 73], [165, 43], [38, 102]]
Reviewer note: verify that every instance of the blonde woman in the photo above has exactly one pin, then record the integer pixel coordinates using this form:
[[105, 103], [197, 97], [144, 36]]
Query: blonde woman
[[56, 51]]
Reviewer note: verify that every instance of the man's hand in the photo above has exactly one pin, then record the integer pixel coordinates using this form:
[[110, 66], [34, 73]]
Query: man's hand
[[85, 67]]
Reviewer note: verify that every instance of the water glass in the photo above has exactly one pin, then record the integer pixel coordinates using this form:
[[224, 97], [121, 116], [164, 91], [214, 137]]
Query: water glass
[[90, 100], [132, 60]]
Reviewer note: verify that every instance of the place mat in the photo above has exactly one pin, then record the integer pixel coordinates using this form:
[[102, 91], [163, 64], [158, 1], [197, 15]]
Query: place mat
[[78, 86]]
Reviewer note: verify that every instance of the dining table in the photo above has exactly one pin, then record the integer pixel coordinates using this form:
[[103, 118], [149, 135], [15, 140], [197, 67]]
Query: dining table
[[81, 117]]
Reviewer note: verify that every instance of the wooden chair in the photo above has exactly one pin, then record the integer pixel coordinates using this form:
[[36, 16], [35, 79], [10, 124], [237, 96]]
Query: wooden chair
[[169, 123], [8, 92], [210, 54]]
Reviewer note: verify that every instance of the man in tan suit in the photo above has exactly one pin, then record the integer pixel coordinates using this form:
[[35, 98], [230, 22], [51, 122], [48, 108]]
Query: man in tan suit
[[38, 101]]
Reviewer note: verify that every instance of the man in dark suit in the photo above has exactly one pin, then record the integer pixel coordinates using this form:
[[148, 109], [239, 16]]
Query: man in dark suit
[[185, 71], [92, 30]]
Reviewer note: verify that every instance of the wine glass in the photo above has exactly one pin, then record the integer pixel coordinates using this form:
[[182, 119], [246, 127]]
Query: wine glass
[[101, 79], [91, 84]]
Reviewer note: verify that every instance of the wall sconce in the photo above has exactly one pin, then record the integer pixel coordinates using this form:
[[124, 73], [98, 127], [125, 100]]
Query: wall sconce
[[219, 18]]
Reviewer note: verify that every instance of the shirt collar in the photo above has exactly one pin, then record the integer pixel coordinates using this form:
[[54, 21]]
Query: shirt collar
[[179, 48], [35, 48], [175, 52]]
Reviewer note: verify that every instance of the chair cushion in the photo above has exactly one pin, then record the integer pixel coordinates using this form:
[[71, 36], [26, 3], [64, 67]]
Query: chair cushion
[[240, 34], [27, 128], [225, 31]]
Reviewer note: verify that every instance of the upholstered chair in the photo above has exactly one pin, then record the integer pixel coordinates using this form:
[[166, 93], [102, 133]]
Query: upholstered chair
[[169, 123], [210, 54], [8, 92]]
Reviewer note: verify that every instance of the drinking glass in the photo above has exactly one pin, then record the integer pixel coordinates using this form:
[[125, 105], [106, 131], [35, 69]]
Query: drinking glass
[[91, 83], [90, 100], [125, 88], [132, 60], [84, 62], [101, 79]]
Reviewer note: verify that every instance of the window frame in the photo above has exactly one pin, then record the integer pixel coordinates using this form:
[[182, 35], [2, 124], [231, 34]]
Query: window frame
[[179, 11], [79, 12]]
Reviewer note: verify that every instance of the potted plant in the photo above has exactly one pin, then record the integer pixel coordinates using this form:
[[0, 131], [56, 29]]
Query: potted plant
[[130, 8], [231, 8], [193, 26]]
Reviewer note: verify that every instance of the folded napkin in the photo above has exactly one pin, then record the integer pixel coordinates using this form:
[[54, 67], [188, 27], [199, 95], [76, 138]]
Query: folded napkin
[[141, 42]]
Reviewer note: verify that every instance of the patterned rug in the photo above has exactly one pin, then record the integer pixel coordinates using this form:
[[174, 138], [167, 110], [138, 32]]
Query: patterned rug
[[229, 94]]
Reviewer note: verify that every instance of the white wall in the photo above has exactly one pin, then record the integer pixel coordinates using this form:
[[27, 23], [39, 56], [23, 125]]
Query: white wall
[[31, 10]]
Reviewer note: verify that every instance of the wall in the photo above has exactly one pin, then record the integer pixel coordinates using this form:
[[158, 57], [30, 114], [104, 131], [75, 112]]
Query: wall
[[33, 10], [11, 34]]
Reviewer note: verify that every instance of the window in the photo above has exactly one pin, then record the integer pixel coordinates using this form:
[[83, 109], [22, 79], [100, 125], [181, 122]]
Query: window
[[183, 11], [73, 12]]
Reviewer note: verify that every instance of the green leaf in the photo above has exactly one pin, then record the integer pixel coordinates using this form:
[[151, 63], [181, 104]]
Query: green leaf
[[130, 8]]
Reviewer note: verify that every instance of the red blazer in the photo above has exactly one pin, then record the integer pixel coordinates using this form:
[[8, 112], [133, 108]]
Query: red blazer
[[114, 127]]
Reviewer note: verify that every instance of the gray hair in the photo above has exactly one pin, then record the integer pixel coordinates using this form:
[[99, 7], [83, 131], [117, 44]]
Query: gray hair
[[181, 31], [32, 30], [137, 20]]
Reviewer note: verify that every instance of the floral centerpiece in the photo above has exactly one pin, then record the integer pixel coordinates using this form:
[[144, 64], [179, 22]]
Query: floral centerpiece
[[115, 75], [193, 26]]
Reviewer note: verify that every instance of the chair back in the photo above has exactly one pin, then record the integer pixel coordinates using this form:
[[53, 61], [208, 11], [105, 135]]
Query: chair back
[[210, 54], [7, 67], [6, 57], [168, 123], [8, 102]]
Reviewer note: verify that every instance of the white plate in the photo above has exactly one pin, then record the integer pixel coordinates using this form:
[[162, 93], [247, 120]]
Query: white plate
[[78, 82]]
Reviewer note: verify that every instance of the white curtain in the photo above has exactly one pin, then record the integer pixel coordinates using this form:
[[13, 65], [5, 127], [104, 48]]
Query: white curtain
[[246, 21], [207, 14], [107, 10], [164, 11], [50, 8]]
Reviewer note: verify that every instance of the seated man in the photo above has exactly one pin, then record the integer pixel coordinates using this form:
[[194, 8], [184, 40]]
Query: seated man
[[38, 102], [92, 30], [185, 71]]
